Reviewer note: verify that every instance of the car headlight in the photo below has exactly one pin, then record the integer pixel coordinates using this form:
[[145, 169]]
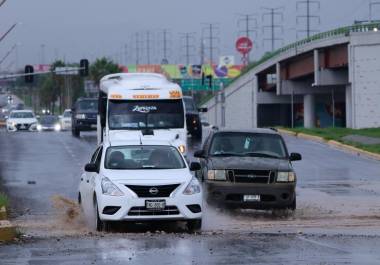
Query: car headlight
[[39, 127], [80, 116], [57, 127], [193, 188], [12, 123], [108, 188], [219, 175], [182, 149], [286, 176]]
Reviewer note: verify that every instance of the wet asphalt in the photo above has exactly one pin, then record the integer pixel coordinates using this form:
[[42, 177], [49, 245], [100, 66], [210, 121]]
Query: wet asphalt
[[337, 220]]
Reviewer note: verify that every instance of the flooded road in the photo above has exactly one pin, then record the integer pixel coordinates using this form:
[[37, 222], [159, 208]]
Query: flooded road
[[338, 212]]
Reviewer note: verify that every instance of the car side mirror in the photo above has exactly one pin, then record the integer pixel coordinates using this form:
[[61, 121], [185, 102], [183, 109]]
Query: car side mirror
[[295, 157], [91, 167], [202, 109], [195, 166], [72, 109], [200, 154]]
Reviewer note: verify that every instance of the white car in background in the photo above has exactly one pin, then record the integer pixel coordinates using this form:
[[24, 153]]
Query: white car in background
[[141, 180], [65, 120], [21, 120]]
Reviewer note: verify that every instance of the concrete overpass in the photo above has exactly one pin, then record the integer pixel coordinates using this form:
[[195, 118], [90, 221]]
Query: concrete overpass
[[330, 79]]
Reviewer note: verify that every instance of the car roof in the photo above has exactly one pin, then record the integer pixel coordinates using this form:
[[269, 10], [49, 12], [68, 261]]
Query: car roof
[[24, 110], [255, 130], [137, 142]]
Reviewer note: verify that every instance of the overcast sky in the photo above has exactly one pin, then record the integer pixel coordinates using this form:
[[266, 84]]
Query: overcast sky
[[74, 29]]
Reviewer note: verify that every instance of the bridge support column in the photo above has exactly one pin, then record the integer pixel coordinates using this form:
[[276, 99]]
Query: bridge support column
[[309, 111], [349, 121]]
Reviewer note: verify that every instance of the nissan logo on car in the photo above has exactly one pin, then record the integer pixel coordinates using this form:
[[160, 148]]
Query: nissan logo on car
[[153, 191]]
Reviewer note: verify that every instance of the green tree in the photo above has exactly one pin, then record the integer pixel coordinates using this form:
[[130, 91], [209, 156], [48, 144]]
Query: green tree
[[102, 67]]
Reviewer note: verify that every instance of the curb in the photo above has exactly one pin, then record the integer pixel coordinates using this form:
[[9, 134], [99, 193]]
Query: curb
[[3, 213], [332, 143], [7, 231]]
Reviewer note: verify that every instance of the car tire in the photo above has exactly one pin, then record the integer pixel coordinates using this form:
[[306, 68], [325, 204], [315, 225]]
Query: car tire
[[194, 225], [75, 132], [100, 225], [197, 134], [293, 206]]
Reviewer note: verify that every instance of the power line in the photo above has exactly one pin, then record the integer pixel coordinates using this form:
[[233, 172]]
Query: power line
[[188, 46], [272, 13], [210, 36], [249, 23], [308, 16]]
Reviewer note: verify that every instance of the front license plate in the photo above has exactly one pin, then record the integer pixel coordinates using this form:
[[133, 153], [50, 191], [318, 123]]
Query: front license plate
[[155, 205], [251, 198]]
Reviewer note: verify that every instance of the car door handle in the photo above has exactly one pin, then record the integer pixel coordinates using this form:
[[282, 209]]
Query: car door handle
[[88, 181], [81, 179]]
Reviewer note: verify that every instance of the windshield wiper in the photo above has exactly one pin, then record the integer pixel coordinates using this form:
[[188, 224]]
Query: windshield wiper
[[226, 154], [255, 154]]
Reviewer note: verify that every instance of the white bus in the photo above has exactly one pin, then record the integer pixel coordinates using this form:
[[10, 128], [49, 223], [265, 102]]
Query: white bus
[[141, 103]]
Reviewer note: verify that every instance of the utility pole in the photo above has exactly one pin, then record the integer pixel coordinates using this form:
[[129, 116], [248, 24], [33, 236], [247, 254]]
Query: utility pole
[[166, 42], [210, 34], [126, 54], [202, 51], [272, 13], [249, 22], [372, 4], [188, 46], [137, 48], [308, 16], [8, 53], [42, 53], [148, 41]]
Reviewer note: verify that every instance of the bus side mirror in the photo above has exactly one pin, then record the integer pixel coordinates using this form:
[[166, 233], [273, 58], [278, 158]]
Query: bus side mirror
[[200, 154]]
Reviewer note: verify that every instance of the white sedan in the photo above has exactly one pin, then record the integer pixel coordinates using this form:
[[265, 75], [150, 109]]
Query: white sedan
[[140, 181], [65, 119], [21, 120]]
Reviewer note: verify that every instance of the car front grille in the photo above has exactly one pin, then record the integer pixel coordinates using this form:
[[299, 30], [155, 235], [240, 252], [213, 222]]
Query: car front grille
[[142, 211], [22, 126], [251, 176], [160, 191]]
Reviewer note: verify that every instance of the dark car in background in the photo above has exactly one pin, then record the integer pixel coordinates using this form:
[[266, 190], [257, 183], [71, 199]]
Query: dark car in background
[[49, 123], [248, 169], [193, 121], [84, 115]]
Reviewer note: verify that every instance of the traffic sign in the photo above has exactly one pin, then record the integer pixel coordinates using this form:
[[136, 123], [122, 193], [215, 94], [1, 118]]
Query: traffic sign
[[244, 45]]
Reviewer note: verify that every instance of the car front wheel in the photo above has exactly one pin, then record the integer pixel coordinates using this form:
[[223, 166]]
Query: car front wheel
[[100, 225], [194, 225]]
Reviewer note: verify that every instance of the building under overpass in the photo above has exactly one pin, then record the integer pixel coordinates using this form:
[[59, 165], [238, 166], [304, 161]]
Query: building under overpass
[[330, 79]]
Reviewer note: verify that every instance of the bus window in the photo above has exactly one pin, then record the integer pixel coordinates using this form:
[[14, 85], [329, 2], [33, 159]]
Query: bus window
[[153, 114]]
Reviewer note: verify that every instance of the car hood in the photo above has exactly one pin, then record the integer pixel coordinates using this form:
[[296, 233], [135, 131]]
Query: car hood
[[257, 163], [148, 177], [22, 120]]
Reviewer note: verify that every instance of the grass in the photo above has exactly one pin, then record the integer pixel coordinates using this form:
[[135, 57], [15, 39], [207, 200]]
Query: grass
[[3, 200], [337, 134]]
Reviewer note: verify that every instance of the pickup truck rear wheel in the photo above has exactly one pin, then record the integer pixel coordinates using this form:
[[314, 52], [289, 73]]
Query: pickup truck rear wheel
[[75, 132]]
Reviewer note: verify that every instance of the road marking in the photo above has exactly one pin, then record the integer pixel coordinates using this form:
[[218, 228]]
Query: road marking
[[323, 245]]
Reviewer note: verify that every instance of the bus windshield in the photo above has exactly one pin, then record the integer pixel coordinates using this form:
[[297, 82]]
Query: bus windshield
[[153, 114]]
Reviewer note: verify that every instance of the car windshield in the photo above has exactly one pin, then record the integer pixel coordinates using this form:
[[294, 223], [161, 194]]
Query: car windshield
[[189, 104], [248, 144], [49, 119], [88, 105], [134, 115], [22, 115], [143, 157], [67, 114]]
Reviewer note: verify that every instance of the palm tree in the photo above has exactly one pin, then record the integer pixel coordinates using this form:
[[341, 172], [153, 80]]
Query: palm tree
[[102, 67]]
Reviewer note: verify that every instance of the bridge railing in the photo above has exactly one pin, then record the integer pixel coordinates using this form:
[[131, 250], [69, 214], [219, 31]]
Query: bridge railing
[[344, 31]]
